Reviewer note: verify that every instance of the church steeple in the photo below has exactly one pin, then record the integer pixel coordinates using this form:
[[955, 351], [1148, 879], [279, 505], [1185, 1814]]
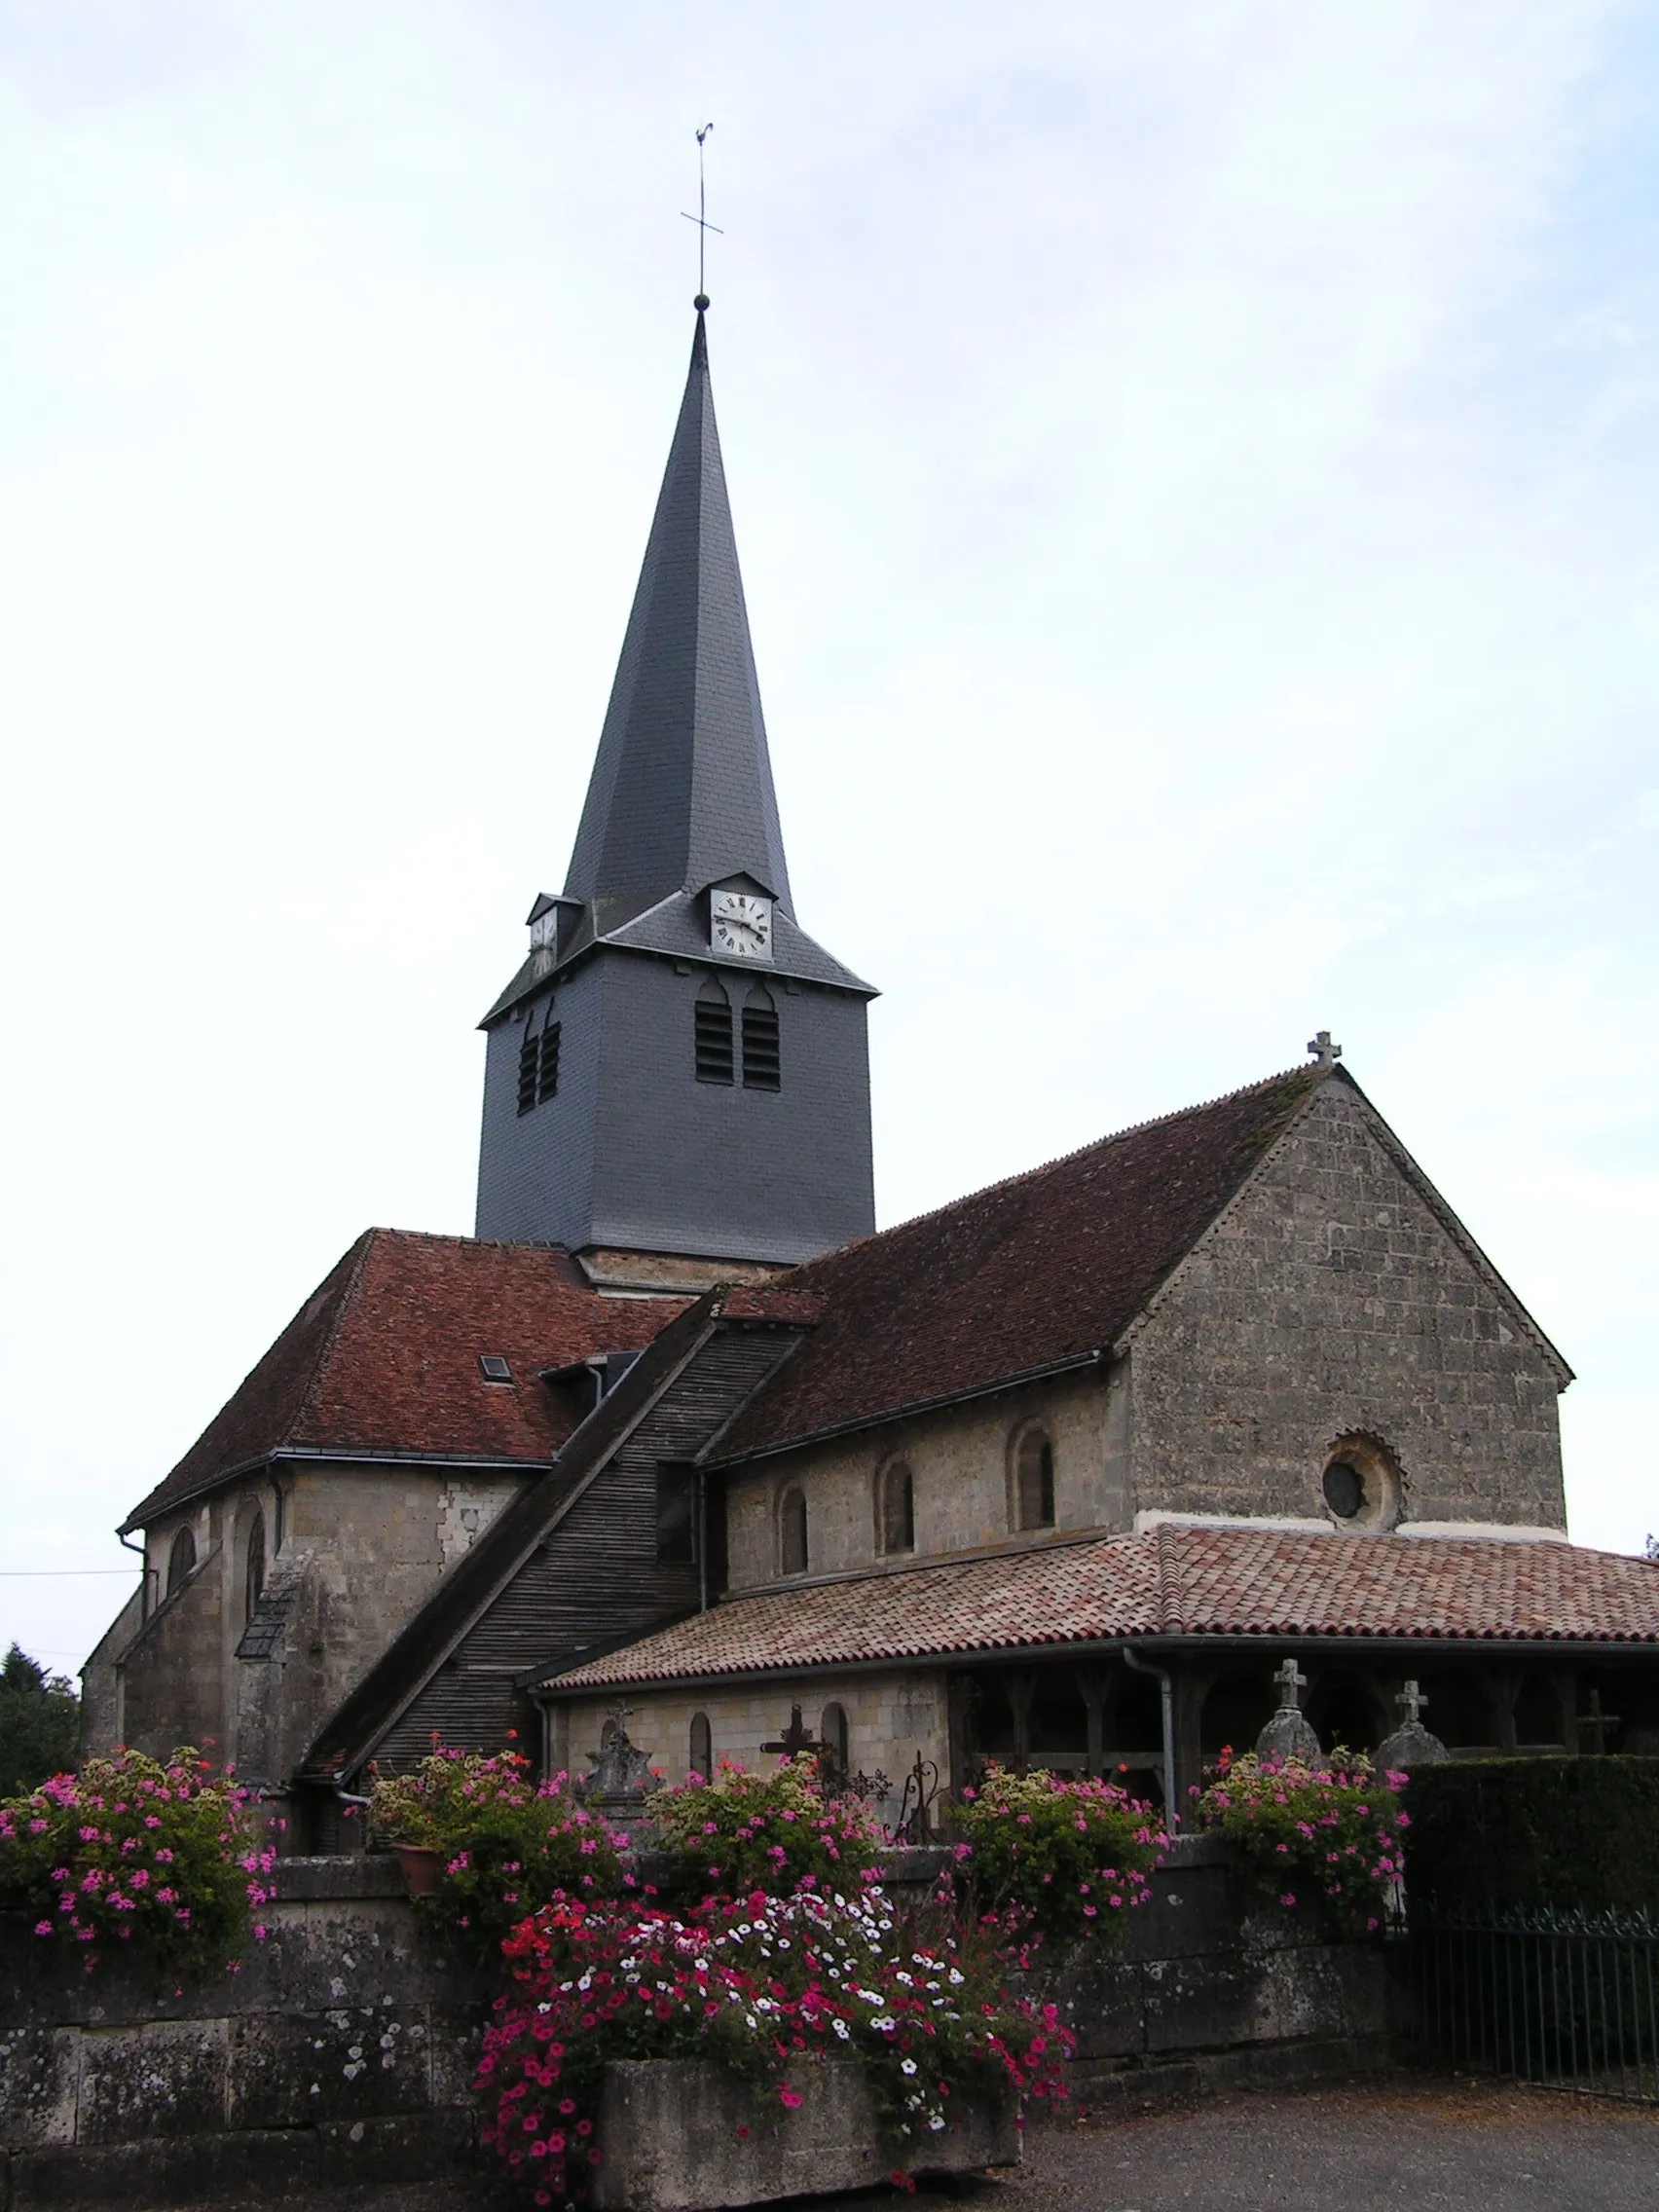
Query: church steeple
[[682, 792], [678, 1075]]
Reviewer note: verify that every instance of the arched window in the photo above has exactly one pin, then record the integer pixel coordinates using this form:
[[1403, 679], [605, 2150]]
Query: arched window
[[254, 1575], [539, 1059], [1034, 1480], [792, 1531], [712, 1033], [833, 1738], [181, 1560], [702, 1747], [896, 1517], [762, 1068]]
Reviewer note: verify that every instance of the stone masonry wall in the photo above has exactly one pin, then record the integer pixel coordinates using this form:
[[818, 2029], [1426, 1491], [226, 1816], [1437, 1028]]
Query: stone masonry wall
[[345, 2048], [1331, 1300], [959, 1466]]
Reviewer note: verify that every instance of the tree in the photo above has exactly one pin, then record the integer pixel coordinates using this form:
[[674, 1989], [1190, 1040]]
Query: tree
[[40, 1724]]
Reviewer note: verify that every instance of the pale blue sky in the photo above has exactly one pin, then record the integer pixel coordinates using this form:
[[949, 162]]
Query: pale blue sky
[[1195, 481]]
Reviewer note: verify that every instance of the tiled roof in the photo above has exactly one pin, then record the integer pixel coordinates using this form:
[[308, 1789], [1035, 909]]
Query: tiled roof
[[383, 1357], [1169, 1582], [1025, 1274]]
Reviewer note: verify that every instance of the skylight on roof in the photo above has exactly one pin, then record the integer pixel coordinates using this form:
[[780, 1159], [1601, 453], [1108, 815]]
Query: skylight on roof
[[493, 1367]]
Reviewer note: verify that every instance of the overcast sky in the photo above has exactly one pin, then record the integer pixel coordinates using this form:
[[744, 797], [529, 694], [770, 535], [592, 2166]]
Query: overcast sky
[[1195, 473]]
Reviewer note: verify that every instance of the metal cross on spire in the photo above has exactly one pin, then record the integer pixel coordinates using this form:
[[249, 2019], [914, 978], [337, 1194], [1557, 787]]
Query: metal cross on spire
[[701, 219]]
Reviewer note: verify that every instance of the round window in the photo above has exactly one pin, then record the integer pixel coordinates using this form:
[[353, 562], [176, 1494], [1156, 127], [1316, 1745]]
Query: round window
[[1345, 1488]]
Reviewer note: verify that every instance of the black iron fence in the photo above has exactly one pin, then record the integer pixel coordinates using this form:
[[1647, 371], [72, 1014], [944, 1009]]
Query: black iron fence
[[1564, 1998]]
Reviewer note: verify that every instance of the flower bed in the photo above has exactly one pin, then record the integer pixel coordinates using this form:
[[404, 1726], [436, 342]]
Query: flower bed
[[745, 1831], [762, 1986], [1323, 1839], [169, 1851], [505, 1844], [1055, 1856]]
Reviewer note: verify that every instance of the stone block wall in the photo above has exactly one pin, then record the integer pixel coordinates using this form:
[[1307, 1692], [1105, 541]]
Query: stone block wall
[[1332, 1299], [342, 2051], [345, 2048]]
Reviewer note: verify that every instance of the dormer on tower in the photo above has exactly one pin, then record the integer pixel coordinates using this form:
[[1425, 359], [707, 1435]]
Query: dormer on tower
[[673, 953]]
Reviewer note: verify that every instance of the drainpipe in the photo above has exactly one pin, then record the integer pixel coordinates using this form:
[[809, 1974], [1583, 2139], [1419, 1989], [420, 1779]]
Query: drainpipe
[[702, 1540], [128, 1544], [1166, 1689]]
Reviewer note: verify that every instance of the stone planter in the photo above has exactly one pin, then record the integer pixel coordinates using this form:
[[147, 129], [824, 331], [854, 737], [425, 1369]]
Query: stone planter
[[670, 2126], [423, 1869]]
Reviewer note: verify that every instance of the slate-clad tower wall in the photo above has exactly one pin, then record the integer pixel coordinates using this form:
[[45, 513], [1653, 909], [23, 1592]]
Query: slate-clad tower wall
[[635, 1147]]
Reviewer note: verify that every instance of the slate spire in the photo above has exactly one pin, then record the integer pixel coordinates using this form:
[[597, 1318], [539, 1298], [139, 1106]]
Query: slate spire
[[682, 793]]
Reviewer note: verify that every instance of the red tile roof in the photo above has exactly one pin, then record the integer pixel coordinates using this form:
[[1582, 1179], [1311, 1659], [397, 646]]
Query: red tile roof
[[1027, 1275], [383, 1357], [1170, 1582]]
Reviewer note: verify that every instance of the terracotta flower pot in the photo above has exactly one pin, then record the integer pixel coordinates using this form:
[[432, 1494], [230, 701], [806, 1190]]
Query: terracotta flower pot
[[423, 1869]]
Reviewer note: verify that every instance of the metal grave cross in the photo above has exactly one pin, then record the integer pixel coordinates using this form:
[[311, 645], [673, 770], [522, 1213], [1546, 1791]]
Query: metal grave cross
[[701, 219], [1410, 1704], [1291, 1681], [1595, 1723], [1323, 1050], [794, 1738]]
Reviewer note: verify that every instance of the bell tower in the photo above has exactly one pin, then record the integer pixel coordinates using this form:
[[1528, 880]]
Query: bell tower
[[677, 1083]]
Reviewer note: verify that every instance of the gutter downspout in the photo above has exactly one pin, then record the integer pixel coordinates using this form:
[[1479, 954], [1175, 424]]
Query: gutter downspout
[[1167, 1689], [144, 1572]]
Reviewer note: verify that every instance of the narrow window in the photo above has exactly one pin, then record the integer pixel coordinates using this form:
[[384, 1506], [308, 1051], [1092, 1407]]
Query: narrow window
[[762, 1070], [897, 1509], [281, 1518], [792, 1532], [1034, 1480], [835, 1743], [538, 1061], [702, 1747], [676, 1515], [547, 1064], [181, 1560], [714, 1034], [254, 1581]]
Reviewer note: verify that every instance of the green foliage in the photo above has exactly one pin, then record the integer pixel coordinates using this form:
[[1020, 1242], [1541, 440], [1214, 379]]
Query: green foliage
[[1537, 1831], [774, 1831], [40, 1724], [508, 1847], [1323, 1840], [130, 1846], [1063, 1858]]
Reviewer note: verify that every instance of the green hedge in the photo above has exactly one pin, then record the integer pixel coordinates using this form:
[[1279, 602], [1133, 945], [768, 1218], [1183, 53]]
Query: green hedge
[[1535, 1831]]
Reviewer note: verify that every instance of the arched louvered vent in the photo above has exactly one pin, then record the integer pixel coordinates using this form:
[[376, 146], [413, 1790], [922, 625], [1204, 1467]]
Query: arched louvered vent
[[714, 1034], [762, 1067]]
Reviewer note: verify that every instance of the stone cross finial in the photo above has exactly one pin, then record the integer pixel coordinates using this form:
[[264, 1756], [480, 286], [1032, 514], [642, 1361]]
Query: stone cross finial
[[1323, 1050], [1287, 1735], [1410, 1704], [1411, 1744], [1595, 1723]]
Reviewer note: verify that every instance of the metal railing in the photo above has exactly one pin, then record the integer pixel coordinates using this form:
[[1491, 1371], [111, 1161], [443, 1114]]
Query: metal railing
[[1566, 1998]]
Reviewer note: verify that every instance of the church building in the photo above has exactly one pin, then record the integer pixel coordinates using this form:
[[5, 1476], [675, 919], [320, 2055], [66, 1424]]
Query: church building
[[1061, 1474]]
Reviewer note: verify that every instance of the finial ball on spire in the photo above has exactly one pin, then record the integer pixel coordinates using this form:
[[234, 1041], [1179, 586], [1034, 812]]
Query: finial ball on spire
[[701, 302]]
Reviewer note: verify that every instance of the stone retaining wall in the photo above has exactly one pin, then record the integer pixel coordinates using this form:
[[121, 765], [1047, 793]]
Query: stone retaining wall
[[344, 2049]]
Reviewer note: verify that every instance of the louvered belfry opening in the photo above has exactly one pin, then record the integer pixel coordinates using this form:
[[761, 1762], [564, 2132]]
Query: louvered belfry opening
[[538, 1063], [762, 1066], [714, 1034]]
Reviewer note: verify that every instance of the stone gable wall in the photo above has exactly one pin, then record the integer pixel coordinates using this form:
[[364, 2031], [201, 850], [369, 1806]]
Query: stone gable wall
[[1330, 1299]]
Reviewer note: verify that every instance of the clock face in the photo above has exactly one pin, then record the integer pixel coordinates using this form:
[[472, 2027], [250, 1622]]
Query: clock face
[[741, 924]]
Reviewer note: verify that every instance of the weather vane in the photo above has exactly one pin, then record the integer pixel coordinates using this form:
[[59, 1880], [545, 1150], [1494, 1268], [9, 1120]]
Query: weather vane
[[701, 219]]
